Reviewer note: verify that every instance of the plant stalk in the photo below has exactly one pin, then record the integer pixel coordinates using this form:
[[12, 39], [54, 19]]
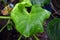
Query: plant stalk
[[20, 37], [4, 26], [36, 38], [5, 17]]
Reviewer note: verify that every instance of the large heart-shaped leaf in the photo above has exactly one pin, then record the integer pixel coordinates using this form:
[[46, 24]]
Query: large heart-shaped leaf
[[40, 2], [29, 23], [53, 29]]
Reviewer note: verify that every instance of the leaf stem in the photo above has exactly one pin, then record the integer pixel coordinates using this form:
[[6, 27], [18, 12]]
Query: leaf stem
[[36, 38], [4, 26], [5, 17], [20, 37]]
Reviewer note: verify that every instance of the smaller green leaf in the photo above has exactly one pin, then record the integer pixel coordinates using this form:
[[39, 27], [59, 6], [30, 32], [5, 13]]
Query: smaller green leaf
[[53, 29]]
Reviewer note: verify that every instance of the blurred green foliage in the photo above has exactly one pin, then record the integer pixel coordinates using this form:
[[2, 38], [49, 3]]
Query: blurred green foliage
[[53, 29], [40, 2]]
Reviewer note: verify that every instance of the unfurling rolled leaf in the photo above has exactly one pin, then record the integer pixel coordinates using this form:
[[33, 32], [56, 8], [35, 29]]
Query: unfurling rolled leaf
[[29, 23]]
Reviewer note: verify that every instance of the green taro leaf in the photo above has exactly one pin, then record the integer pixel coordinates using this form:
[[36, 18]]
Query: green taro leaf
[[40, 2], [29, 23], [53, 29]]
